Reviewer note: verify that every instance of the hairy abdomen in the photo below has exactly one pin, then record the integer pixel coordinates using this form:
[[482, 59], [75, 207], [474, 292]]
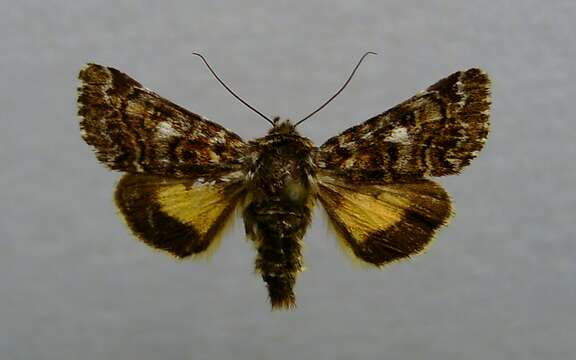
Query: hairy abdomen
[[277, 230]]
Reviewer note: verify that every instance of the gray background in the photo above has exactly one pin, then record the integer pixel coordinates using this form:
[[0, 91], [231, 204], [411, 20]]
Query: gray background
[[497, 284]]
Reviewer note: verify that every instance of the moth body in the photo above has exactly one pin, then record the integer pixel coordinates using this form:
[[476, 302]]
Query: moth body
[[280, 196]]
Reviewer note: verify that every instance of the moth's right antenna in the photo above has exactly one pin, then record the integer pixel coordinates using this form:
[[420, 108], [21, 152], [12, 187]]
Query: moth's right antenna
[[339, 91], [230, 91]]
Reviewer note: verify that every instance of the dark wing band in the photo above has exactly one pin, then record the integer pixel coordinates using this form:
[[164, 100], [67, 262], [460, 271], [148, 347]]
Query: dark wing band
[[381, 223], [179, 215]]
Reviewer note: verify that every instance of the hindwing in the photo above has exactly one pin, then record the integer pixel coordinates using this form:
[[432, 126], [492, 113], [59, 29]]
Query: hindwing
[[182, 216], [381, 223]]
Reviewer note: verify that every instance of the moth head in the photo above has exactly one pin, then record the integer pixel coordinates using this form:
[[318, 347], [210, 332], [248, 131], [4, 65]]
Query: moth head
[[282, 127]]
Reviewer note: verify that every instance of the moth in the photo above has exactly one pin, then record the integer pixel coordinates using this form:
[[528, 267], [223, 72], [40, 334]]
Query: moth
[[185, 175]]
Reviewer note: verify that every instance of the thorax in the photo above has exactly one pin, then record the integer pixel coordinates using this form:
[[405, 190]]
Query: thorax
[[281, 169]]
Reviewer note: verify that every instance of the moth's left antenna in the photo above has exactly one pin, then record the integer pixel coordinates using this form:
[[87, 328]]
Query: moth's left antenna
[[230, 90]]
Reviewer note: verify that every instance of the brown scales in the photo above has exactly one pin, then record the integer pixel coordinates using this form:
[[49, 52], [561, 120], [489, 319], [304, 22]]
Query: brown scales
[[186, 175]]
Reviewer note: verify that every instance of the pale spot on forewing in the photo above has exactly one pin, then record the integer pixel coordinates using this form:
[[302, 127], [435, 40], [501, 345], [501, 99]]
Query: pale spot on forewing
[[398, 135], [460, 92], [107, 86], [165, 130]]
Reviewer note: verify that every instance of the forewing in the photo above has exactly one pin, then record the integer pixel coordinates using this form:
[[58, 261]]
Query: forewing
[[132, 129], [435, 133], [183, 216], [381, 223]]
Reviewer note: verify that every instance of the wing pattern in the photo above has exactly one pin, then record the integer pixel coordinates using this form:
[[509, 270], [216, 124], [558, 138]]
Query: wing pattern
[[381, 223], [435, 133], [134, 130], [183, 216]]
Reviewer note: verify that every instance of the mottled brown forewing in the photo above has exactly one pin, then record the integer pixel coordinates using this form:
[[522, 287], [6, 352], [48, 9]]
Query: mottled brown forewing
[[435, 133], [132, 129]]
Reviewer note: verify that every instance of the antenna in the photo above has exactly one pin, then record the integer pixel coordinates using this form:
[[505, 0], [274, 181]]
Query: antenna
[[229, 90], [340, 90]]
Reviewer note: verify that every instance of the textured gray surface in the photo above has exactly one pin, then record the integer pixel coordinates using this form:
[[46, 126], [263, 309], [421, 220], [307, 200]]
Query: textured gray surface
[[497, 284]]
